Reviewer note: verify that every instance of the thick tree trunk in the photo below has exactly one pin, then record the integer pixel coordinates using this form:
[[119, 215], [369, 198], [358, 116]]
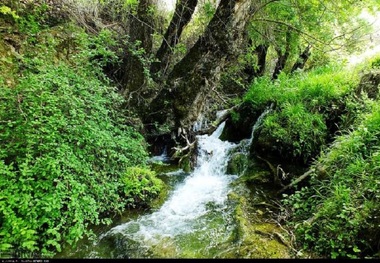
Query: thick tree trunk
[[192, 78], [301, 61], [140, 31], [182, 16]]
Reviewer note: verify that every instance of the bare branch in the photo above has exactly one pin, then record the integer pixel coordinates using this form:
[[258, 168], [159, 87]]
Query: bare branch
[[291, 27]]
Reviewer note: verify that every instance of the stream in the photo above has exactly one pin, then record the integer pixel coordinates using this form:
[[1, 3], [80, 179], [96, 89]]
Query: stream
[[196, 220]]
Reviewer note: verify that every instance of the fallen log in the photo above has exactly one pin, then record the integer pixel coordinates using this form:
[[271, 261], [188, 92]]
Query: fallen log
[[224, 116]]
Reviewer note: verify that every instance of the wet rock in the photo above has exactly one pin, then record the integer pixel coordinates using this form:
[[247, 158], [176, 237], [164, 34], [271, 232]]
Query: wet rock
[[237, 163], [256, 237]]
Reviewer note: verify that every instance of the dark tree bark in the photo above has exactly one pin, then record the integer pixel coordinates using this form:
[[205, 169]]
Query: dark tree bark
[[282, 57], [140, 30], [191, 79], [261, 52], [182, 16], [301, 61]]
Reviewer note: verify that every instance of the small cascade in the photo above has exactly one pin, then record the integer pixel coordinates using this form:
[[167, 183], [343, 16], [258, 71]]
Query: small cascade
[[163, 157], [246, 143], [200, 124], [195, 221], [186, 211]]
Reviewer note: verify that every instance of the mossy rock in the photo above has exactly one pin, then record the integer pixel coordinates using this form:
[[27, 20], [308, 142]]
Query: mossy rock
[[161, 198], [162, 168], [185, 164], [240, 125], [164, 249], [237, 163], [257, 174], [256, 238], [369, 84]]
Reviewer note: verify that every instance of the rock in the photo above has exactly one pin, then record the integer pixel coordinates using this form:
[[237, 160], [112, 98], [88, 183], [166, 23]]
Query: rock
[[237, 163], [257, 238], [369, 84]]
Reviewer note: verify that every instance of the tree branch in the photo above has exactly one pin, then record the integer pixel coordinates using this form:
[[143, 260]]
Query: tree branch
[[291, 27], [299, 179], [182, 16]]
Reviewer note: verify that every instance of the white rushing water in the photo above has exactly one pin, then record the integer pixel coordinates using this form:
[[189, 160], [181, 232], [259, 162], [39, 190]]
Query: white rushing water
[[163, 157], [196, 220], [207, 185]]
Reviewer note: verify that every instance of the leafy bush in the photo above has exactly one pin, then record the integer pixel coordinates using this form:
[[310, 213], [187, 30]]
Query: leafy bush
[[303, 104], [6, 10], [296, 130], [141, 185], [375, 62], [65, 151], [338, 214]]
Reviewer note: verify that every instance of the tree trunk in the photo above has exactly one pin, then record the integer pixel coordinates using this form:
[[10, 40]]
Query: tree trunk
[[191, 79], [282, 56], [182, 16], [261, 53], [140, 31], [301, 61]]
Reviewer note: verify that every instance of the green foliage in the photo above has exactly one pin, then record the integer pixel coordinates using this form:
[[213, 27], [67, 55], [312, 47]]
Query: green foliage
[[325, 25], [100, 49], [65, 150], [208, 10], [375, 62], [145, 59], [131, 4], [298, 127], [141, 185], [337, 215], [297, 131], [32, 21], [5, 10]]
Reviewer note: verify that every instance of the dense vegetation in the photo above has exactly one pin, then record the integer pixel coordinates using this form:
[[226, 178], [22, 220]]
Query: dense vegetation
[[335, 213], [84, 86], [304, 103], [68, 157]]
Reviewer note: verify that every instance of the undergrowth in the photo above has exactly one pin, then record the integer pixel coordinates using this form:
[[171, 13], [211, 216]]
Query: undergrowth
[[67, 157], [298, 127]]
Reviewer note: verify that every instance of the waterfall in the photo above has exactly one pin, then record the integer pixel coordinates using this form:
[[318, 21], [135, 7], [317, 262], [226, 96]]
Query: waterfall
[[163, 157], [207, 186], [246, 144]]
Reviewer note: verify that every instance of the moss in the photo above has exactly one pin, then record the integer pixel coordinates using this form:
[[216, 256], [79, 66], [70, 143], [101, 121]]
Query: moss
[[255, 173], [8, 57], [255, 238], [163, 168], [237, 163], [161, 197], [164, 249], [185, 164]]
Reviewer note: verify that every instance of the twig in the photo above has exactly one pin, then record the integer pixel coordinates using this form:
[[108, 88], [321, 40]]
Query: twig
[[299, 179]]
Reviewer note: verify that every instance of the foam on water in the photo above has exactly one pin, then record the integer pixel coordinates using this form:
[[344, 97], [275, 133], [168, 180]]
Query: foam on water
[[208, 184]]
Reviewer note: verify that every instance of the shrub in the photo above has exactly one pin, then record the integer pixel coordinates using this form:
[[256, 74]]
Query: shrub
[[141, 185], [303, 104], [65, 151], [296, 131], [338, 214]]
